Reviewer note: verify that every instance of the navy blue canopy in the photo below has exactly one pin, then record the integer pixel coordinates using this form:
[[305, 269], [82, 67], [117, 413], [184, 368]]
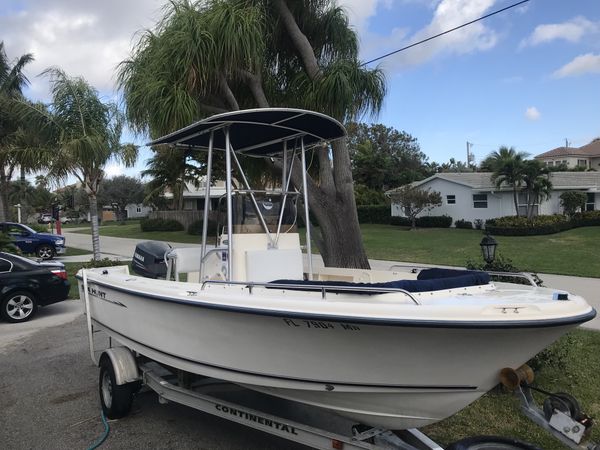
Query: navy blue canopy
[[258, 132]]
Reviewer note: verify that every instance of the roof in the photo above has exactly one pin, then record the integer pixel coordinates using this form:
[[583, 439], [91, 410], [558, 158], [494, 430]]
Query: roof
[[590, 150], [482, 181], [258, 132]]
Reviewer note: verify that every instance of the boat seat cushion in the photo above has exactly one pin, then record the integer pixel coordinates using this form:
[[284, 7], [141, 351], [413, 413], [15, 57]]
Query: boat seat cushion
[[432, 280]]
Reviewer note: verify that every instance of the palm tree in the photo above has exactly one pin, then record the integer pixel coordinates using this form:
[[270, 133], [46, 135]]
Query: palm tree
[[223, 55], [79, 135], [12, 82], [170, 170], [537, 184], [507, 166]]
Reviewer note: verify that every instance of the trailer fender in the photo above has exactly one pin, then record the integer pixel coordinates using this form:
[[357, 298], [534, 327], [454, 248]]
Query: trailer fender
[[124, 363]]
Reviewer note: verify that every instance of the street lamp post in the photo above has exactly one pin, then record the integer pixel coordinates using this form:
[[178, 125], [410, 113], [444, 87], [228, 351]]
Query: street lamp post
[[488, 248]]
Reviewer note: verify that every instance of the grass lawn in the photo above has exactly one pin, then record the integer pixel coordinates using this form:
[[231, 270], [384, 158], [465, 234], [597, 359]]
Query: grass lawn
[[71, 251], [572, 252], [132, 230]]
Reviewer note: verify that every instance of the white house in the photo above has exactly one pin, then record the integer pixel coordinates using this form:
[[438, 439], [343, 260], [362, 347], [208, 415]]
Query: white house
[[587, 156], [473, 195], [136, 211]]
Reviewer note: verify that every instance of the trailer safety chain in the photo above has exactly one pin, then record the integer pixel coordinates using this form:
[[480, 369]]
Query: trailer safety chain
[[102, 438]]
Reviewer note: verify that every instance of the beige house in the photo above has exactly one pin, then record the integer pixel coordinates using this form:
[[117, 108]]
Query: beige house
[[587, 156]]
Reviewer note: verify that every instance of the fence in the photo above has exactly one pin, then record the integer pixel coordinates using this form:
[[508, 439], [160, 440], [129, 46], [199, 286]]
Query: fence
[[185, 218]]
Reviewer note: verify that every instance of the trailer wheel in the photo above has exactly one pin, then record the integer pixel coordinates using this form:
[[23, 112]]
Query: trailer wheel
[[491, 443], [115, 399]]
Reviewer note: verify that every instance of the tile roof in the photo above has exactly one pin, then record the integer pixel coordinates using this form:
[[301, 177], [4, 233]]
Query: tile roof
[[589, 150]]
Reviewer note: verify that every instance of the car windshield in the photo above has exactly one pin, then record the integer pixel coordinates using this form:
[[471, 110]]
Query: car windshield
[[31, 230]]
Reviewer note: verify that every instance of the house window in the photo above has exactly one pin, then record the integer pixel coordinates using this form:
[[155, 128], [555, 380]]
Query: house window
[[451, 199], [138, 209], [550, 163], [565, 162], [480, 201], [590, 202], [582, 163], [522, 204]]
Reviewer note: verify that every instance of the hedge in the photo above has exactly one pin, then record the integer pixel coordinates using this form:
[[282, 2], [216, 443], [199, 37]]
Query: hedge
[[424, 222], [161, 225], [521, 226], [374, 214], [462, 223]]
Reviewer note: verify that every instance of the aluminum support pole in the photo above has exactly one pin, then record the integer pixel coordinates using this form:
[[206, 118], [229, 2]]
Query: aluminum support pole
[[206, 202], [306, 211], [229, 202]]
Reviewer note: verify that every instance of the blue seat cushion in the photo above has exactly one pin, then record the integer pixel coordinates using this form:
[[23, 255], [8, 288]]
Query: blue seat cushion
[[428, 280]]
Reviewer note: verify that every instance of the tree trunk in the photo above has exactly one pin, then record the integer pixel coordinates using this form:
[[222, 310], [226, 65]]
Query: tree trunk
[[335, 212], [413, 223], [94, 224], [301, 42], [516, 200], [4, 203]]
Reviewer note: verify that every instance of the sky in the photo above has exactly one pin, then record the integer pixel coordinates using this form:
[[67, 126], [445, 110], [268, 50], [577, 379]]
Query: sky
[[528, 77]]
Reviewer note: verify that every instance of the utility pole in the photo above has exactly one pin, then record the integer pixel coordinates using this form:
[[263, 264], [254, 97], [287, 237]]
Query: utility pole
[[567, 143]]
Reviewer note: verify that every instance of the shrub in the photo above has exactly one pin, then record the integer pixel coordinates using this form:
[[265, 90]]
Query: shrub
[[501, 264], [462, 223], [479, 224], [521, 226], [160, 225], [195, 228], [105, 262], [572, 201], [7, 244], [586, 219], [434, 221], [424, 222], [400, 221], [374, 214]]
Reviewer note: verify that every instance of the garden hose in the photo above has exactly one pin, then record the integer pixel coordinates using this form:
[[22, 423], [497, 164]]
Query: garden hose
[[102, 438]]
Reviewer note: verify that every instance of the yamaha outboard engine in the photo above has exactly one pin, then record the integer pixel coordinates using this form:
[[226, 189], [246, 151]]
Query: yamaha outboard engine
[[149, 259]]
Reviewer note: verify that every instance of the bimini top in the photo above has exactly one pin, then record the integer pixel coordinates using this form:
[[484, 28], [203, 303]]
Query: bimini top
[[258, 132]]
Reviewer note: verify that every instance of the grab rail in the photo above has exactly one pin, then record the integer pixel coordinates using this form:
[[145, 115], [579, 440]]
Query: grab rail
[[323, 288], [527, 276]]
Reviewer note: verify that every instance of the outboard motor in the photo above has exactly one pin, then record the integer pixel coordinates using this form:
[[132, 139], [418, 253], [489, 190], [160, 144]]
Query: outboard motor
[[149, 259]]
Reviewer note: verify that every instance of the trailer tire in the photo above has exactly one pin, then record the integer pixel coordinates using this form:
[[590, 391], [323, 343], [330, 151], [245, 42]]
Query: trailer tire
[[116, 399], [491, 442]]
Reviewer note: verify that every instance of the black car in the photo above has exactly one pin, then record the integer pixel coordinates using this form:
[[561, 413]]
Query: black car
[[26, 285]]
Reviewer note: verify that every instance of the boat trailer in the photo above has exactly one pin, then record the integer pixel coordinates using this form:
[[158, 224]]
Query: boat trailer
[[123, 373]]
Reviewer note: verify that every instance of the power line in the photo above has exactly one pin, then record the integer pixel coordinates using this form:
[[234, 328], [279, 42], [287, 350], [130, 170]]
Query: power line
[[444, 32]]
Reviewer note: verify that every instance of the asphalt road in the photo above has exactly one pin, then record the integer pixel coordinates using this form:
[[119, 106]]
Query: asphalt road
[[49, 400]]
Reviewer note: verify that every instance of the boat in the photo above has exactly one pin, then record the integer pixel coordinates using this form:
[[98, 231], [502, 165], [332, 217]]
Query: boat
[[388, 349]]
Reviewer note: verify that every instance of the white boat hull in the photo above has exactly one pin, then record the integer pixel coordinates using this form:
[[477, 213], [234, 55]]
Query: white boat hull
[[395, 375]]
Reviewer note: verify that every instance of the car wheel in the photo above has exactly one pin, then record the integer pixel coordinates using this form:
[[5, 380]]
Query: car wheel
[[18, 307], [45, 252], [116, 399]]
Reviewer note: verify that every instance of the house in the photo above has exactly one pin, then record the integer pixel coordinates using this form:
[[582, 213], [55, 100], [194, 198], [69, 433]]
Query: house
[[473, 195], [193, 197], [137, 211], [586, 157]]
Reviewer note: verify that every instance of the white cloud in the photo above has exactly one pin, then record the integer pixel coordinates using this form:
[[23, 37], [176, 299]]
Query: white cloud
[[571, 31], [112, 170], [532, 113], [446, 15], [84, 38], [581, 65]]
